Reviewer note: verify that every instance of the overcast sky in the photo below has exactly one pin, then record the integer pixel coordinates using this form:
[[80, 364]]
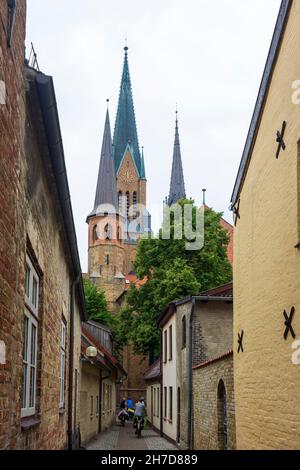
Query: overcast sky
[[207, 56]]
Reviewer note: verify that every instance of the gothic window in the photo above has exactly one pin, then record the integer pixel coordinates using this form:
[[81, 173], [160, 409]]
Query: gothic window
[[134, 201], [107, 260], [119, 234], [127, 203], [107, 232], [183, 332], [222, 416], [95, 233], [120, 196]]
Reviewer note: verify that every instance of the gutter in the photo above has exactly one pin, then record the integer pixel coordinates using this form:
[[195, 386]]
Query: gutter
[[46, 94], [48, 105], [71, 366], [190, 378]]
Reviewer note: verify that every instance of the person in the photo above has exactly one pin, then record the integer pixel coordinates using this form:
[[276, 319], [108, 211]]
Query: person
[[123, 404], [139, 412], [129, 403]]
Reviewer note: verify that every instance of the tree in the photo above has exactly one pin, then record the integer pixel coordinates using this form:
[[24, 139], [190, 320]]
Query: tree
[[172, 273], [96, 304]]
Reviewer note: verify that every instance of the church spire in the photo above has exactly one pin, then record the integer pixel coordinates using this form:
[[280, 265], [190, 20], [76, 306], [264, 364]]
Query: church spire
[[106, 192], [125, 127], [177, 187]]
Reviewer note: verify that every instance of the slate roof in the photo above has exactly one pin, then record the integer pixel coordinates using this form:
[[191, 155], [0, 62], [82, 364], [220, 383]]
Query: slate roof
[[177, 186], [153, 372], [125, 132], [106, 190]]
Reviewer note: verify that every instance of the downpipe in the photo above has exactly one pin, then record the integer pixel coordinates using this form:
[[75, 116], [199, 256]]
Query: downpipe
[[190, 378]]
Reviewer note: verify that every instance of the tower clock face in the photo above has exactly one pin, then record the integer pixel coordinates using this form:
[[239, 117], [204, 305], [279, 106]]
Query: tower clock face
[[127, 177]]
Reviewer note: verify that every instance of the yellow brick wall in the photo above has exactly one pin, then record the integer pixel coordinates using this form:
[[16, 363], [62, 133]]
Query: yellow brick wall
[[266, 269]]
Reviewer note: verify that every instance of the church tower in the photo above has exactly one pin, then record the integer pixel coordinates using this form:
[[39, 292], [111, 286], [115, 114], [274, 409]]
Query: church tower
[[119, 217], [106, 255], [130, 169], [177, 186]]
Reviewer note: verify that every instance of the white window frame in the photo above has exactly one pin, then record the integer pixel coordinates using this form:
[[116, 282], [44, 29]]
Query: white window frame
[[33, 280], [32, 285], [62, 365], [30, 363]]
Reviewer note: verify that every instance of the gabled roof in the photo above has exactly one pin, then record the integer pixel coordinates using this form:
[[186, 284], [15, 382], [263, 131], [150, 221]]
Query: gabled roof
[[47, 101], [177, 186], [125, 126], [106, 191], [262, 96], [154, 371], [87, 336]]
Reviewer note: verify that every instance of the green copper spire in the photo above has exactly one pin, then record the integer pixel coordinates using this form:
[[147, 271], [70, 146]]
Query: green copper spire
[[125, 126]]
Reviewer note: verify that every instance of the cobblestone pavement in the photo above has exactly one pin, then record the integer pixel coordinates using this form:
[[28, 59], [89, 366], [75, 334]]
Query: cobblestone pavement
[[124, 438]]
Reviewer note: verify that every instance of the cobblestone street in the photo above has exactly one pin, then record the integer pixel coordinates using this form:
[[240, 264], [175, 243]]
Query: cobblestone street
[[124, 438]]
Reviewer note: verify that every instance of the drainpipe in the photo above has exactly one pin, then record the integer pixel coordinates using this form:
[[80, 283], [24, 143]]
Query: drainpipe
[[190, 378], [71, 364], [161, 386], [100, 399]]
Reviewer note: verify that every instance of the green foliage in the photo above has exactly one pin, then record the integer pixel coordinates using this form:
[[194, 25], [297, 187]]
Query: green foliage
[[173, 273], [96, 305]]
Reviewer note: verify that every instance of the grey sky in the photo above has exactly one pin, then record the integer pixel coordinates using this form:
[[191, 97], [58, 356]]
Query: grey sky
[[208, 56]]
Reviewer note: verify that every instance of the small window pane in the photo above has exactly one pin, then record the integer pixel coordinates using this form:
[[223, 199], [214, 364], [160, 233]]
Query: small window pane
[[34, 292], [27, 280], [25, 368]]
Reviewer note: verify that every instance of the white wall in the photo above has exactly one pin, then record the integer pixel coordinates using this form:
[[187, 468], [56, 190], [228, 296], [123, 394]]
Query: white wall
[[153, 404], [169, 380]]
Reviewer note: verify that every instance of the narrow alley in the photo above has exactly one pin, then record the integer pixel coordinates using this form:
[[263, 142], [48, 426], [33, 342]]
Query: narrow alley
[[124, 438]]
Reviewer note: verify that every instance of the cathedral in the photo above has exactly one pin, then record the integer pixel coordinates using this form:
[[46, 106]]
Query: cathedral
[[119, 217]]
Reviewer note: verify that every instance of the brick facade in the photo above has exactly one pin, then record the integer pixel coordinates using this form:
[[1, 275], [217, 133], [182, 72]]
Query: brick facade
[[212, 337], [31, 223], [208, 405]]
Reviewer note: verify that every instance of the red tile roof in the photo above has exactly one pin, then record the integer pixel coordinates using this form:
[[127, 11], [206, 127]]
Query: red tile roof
[[225, 290]]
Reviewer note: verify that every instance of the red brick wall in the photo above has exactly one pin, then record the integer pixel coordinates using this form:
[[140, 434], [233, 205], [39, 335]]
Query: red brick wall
[[12, 125]]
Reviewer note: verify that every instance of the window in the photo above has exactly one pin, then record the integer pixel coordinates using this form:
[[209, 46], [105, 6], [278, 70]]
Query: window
[[92, 406], [127, 203], [101, 270], [134, 201], [183, 333], [165, 403], [170, 343], [120, 196], [165, 346], [107, 260], [30, 335], [171, 403], [62, 366], [158, 403], [107, 232], [95, 233]]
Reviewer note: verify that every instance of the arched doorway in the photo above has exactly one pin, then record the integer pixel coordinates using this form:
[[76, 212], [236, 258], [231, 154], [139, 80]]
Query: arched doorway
[[222, 417]]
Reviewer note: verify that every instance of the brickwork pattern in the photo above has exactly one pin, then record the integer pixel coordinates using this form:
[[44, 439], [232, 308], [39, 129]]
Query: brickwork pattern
[[207, 416]]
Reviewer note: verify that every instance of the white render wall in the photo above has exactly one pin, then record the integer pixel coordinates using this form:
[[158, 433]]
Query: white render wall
[[170, 380]]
